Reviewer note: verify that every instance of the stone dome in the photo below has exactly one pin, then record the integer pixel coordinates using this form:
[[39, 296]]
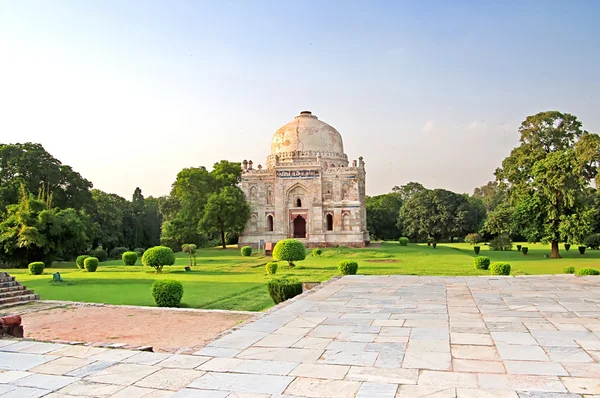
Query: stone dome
[[307, 133]]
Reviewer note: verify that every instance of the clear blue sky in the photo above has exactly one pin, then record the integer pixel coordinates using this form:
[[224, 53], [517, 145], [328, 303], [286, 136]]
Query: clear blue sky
[[130, 92]]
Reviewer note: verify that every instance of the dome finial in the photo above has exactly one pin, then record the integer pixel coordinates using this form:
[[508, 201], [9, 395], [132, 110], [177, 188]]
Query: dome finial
[[306, 113]]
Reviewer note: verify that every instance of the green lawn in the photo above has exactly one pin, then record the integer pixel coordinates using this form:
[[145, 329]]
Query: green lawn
[[223, 279]]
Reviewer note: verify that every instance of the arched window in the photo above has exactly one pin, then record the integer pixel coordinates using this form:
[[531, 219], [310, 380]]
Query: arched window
[[269, 195], [329, 222], [270, 223], [332, 165], [298, 202], [253, 193], [346, 222]]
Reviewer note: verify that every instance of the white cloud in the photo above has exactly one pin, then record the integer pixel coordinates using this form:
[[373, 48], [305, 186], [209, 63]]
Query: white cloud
[[429, 125], [473, 125]]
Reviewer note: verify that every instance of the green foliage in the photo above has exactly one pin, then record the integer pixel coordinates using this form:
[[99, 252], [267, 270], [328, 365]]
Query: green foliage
[[190, 249], [271, 267], [569, 270], [482, 262], [476, 249], [473, 239], [547, 177], [129, 258], [167, 293], [246, 251], [587, 271], [382, 214], [140, 251], [157, 257], [348, 267], [581, 249], [525, 250], [79, 261], [501, 242], [592, 241], [284, 289], [100, 254], [289, 250], [90, 264], [226, 211], [499, 268], [117, 252], [403, 241], [492, 195], [36, 268], [567, 246], [519, 248], [317, 252]]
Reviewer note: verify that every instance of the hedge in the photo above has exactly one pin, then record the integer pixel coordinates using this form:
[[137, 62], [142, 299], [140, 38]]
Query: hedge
[[481, 262], [167, 293], [36, 268], [284, 289], [500, 268], [129, 258], [91, 264], [79, 261], [348, 267]]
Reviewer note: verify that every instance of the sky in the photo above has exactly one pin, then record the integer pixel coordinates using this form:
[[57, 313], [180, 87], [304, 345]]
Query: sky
[[129, 93]]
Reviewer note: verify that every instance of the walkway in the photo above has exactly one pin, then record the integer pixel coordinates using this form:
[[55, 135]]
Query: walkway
[[396, 336]]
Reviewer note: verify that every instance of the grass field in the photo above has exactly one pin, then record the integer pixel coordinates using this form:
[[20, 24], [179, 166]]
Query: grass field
[[223, 279]]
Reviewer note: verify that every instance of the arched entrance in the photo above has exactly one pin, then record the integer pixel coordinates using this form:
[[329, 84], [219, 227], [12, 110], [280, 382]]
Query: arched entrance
[[299, 227]]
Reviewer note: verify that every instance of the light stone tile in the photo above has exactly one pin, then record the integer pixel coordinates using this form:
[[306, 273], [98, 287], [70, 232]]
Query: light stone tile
[[382, 375], [147, 358], [170, 379], [183, 361], [391, 331], [532, 394], [139, 392], [447, 379], [410, 391], [5, 388], [123, 374], [583, 369], [521, 352], [329, 331], [61, 366], [320, 371], [220, 364], [377, 390], [291, 331], [265, 367], [25, 392], [471, 339], [78, 351], [239, 339], [113, 355], [87, 388], [589, 344], [335, 357], [582, 385], [20, 361], [513, 338], [32, 347], [535, 368], [347, 346], [356, 337], [45, 382], [318, 388], [317, 343], [474, 366], [429, 346], [6, 342], [568, 354], [248, 395], [277, 340], [430, 334], [388, 322], [90, 369], [264, 384], [194, 393], [520, 383], [479, 393], [477, 352], [12, 375], [218, 352], [427, 360], [281, 354]]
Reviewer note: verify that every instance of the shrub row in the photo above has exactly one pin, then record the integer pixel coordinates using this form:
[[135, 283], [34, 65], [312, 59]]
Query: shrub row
[[284, 289]]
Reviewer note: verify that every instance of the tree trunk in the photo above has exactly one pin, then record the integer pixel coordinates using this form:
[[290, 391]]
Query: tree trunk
[[555, 253], [223, 239]]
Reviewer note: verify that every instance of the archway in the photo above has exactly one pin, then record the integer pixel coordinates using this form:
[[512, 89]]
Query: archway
[[298, 202], [329, 222], [270, 223], [299, 227]]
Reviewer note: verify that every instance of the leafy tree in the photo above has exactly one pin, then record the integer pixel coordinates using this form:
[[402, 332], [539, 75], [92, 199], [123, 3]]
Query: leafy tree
[[108, 214], [382, 211], [190, 249], [226, 211], [547, 176], [289, 250], [407, 191], [492, 194]]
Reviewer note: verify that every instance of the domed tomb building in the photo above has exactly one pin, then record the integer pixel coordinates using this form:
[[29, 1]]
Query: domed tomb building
[[307, 190]]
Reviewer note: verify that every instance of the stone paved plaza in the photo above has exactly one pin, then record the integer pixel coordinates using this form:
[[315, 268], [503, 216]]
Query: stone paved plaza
[[363, 336]]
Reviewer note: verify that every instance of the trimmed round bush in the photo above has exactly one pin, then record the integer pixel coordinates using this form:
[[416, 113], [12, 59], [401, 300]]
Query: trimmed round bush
[[403, 241], [284, 289], [129, 258], [525, 250], [481, 262], [587, 271], [317, 252], [271, 267], [476, 249], [473, 238], [348, 267], [569, 270], [100, 254], [289, 250], [79, 261], [157, 257], [246, 251], [36, 268], [117, 252], [91, 264], [140, 251], [499, 268], [167, 293]]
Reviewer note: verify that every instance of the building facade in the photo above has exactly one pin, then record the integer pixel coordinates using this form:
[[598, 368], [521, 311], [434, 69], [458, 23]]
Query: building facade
[[307, 190]]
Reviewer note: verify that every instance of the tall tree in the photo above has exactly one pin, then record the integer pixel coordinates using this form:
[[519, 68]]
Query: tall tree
[[382, 211], [547, 175], [226, 212], [491, 194], [408, 190], [108, 213]]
